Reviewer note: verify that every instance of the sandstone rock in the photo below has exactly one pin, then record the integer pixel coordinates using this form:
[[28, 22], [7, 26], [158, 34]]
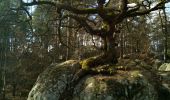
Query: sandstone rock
[[164, 90], [165, 67], [52, 82], [124, 85]]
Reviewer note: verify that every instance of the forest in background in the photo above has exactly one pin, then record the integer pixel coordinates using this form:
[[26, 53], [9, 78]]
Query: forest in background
[[34, 37]]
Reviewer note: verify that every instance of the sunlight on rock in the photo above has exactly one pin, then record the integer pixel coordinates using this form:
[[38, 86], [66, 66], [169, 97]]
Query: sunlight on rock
[[131, 5], [136, 74], [165, 67], [90, 85], [68, 62]]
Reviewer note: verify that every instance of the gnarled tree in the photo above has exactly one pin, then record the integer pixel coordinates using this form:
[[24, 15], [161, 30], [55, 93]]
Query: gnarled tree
[[109, 13]]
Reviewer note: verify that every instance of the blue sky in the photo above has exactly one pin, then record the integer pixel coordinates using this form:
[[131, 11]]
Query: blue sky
[[168, 8]]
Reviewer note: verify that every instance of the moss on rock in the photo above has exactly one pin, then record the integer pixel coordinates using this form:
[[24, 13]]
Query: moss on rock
[[87, 63], [120, 86], [67, 81]]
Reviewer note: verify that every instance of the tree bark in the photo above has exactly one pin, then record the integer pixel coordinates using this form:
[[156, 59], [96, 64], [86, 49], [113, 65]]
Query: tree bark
[[111, 49]]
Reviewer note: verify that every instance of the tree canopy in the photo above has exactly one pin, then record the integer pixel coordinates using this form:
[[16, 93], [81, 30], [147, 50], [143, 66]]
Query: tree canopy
[[101, 18]]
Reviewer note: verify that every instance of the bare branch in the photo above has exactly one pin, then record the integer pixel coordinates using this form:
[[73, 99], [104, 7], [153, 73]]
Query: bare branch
[[59, 32], [108, 3], [27, 12], [133, 9], [88, 28], [34, 2], [68, 7], [160, 5], [62, 6]]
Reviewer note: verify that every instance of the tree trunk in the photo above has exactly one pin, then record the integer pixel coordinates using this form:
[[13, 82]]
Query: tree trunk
[[164, 31], [14, 89], [165, 36], [110, 52], [68, 42]]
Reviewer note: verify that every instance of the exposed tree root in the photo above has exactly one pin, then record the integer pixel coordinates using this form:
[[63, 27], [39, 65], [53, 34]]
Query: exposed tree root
[[89, 66], [98, 61], [99, 65]]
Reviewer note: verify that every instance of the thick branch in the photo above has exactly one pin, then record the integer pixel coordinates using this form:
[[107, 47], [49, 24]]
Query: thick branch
[[138, 13], [108, 3], [68, 7], [34, 2], [134, 9], [124, 7], [62, 6]]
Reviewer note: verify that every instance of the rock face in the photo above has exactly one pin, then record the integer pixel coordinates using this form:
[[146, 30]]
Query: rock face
[[165, 67], [124, 85], [52, 82]]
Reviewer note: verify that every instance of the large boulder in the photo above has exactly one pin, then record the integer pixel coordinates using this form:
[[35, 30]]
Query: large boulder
[[165, 77], [125, 85], [52, 82], [55, 83]]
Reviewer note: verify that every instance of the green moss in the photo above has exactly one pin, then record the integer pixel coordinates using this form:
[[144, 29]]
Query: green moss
[[85, 64], [105, 26], [136, 74], [96, 65], [111, 70]]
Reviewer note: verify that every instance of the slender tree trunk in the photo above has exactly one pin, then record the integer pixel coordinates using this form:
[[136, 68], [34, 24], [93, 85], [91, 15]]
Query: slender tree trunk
[[121, 46], [14, 89], [68, 42], [166, 37], [4, 68], [105, 44], [164, 31]]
